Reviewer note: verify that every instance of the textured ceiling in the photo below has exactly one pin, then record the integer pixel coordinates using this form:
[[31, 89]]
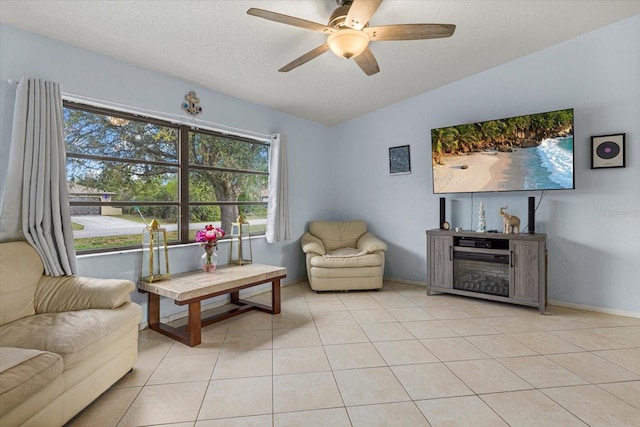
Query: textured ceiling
[[217, 45]]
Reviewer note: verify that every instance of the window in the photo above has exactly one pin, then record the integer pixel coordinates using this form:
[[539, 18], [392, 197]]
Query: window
[[124, 170]]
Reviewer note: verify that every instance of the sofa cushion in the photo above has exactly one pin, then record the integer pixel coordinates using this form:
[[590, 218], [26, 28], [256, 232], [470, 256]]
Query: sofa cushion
[[69, 293], [20, 269], [69, 334], [23, 372], [368, 260], [338, 234]]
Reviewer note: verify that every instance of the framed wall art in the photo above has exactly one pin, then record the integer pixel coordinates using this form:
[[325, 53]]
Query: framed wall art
[[399, 160], [607, 151]]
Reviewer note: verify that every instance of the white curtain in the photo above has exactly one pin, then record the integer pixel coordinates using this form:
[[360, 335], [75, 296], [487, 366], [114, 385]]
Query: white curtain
[[278, 228], [35, 206]]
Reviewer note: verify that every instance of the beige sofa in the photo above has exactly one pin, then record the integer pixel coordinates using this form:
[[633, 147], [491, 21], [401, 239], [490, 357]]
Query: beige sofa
[[343, 255], [63, 340]]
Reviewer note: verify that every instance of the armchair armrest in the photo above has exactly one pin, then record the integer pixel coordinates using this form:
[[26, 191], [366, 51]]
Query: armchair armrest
[[312, 245], [70, 293], [370, 243]]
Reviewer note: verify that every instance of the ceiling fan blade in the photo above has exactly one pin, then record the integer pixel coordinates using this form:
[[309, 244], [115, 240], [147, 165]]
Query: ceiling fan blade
[[305, 58], [367, 62], [360, 13], [290, 20], [410, 32]]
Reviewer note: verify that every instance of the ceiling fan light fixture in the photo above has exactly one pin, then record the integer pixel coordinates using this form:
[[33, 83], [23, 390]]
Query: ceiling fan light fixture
[[348, 43]]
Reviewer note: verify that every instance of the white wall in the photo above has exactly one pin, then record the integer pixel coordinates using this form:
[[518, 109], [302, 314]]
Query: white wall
[[593, 231], [81, 72]]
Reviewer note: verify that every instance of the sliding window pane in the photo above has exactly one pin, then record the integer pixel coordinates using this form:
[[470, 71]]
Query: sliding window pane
[[100, 221], [199, 216], [121, 181], [101, 135], [120, 227], [216, 186], [223, 215], [216, 151]]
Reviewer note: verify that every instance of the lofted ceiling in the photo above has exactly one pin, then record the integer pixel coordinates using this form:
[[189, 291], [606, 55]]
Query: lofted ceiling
[[215, 44]]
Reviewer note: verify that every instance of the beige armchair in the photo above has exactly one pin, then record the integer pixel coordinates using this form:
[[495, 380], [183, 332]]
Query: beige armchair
[[343, 255]]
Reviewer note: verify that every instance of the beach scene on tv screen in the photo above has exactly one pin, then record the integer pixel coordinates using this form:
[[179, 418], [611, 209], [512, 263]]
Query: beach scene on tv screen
[[532, 152]]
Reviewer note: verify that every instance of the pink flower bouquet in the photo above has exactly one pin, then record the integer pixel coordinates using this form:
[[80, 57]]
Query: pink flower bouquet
[[208, 238]]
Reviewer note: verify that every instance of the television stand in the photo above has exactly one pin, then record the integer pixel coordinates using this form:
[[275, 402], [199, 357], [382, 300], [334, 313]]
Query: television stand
[[494, 266]]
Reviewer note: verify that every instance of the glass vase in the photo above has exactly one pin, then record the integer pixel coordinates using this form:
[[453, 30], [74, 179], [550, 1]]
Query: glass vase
[[209, 260]]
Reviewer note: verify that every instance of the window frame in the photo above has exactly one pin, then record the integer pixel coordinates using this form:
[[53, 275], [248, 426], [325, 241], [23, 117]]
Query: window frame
[[182, 165]]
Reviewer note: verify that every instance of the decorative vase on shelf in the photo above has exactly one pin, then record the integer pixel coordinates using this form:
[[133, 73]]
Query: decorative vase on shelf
[[209, 260]]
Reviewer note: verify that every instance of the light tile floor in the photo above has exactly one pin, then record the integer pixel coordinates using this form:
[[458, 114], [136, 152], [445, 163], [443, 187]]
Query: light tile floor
[[396, 357]]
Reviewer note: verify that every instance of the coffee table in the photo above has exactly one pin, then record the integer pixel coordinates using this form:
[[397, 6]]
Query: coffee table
[[193, 287]]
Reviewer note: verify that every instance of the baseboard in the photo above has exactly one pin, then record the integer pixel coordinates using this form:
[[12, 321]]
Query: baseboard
[[384, 279], [594, 308], [219, 303], [295, 282], [405, 281]]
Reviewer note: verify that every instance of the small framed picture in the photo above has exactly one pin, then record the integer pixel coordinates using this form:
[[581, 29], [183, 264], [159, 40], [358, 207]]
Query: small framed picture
[[399, 160], [607, 151]]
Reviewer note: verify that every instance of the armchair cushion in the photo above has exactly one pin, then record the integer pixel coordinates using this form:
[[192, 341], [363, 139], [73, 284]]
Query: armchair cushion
[[370, 243], [312, 245], [338, 234], [367, 260], [71, 293], [345, 253]]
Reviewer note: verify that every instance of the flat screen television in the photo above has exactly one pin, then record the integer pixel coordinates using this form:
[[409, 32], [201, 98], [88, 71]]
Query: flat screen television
[[531, 152]]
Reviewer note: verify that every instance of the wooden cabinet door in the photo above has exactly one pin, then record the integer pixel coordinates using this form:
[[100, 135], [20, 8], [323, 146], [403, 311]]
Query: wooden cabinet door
[[441, 261], [524, 273]]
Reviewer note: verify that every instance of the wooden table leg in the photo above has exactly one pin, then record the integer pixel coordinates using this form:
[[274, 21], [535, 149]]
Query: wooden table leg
[[235, 297], [195, 326], [153, 309], [275, 296]]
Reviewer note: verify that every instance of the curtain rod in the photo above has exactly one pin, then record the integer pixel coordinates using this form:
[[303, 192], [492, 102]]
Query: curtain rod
[[174, 118]]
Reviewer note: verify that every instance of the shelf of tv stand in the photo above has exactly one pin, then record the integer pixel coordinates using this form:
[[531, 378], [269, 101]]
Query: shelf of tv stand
[[525, 272], [488, 234], [481, 250]]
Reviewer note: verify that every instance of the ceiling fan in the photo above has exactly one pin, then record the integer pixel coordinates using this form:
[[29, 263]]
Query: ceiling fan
[[349, 34]]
